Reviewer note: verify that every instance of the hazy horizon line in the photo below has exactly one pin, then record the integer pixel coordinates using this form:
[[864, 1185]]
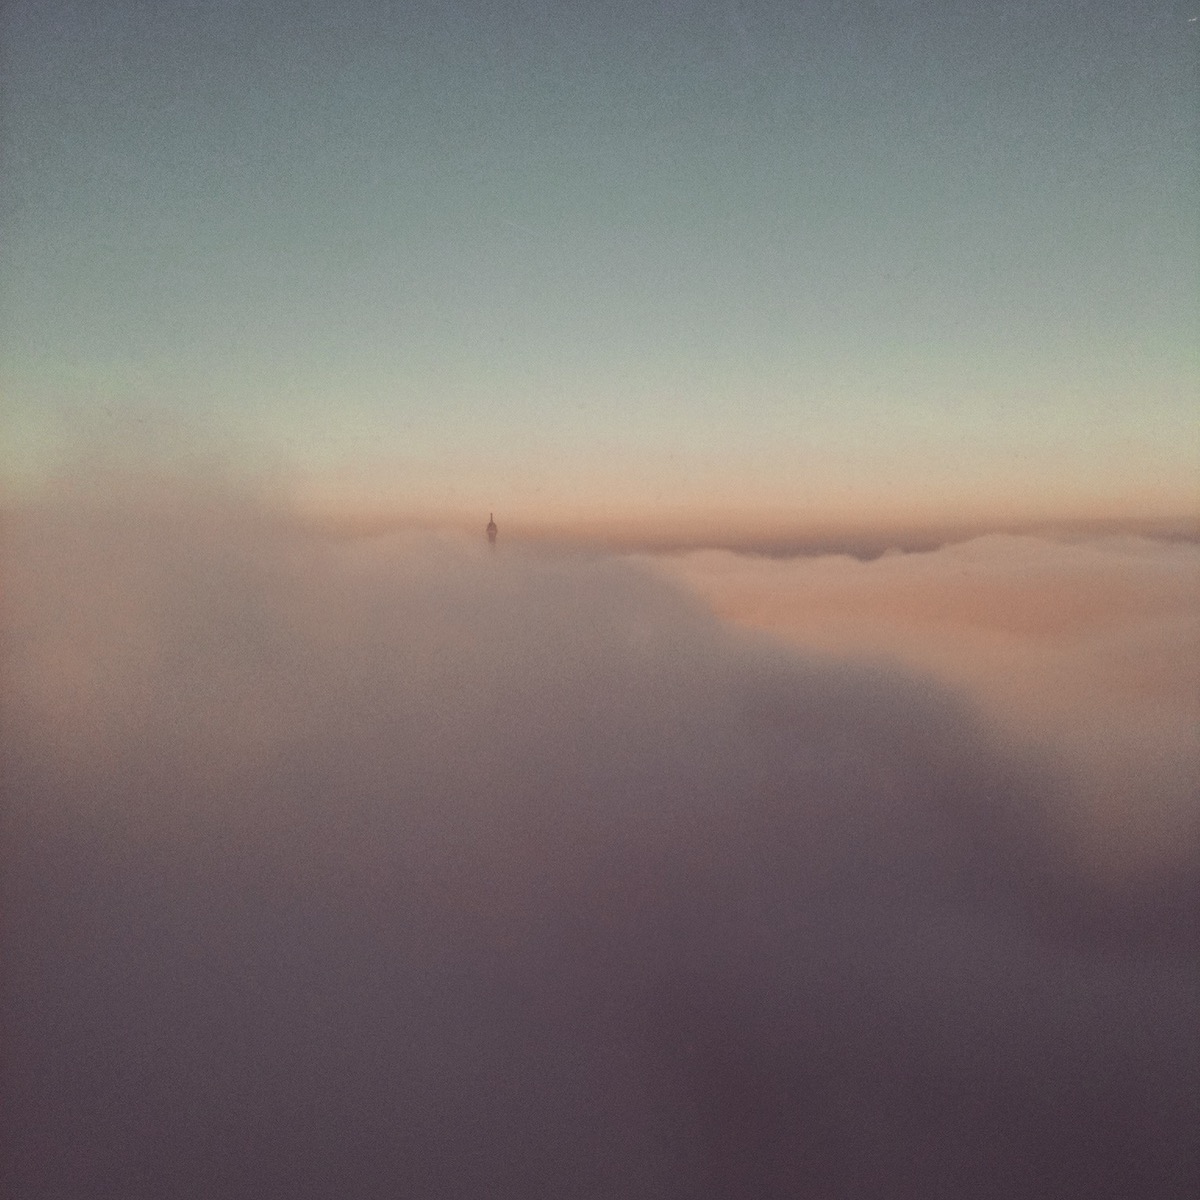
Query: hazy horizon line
[[863, 539]]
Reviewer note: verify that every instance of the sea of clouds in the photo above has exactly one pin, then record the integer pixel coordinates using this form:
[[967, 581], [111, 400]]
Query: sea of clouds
[[398, 867], [1084, 651]]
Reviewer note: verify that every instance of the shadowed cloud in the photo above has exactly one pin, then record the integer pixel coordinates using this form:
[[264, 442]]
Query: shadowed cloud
[[404, 867]]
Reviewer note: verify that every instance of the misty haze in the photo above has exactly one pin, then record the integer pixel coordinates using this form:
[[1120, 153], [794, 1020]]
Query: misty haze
[[601, 601], [403, 866]]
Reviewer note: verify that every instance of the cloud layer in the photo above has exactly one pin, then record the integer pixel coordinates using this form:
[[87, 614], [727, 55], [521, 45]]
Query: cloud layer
[[1086, 652], [405, 868]]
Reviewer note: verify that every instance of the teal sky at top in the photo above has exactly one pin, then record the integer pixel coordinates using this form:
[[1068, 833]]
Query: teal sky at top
[[520, 253]]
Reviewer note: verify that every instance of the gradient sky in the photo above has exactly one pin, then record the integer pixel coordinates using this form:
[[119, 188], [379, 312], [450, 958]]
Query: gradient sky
[[585, 261]]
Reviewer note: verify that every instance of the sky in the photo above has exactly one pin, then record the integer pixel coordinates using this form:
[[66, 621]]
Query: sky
[[713, 267], [799, 799]]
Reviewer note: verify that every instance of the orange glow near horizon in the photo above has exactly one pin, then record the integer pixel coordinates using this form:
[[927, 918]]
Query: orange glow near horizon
[[629, 524]]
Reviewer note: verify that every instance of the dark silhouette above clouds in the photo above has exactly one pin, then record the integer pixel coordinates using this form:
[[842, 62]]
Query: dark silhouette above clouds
[[401, 869]]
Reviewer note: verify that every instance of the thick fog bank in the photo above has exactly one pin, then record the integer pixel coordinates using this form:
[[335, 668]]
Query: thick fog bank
[[410, 869]]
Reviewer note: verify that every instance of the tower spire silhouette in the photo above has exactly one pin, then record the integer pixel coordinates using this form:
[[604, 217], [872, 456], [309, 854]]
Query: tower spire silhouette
[[491, 529]]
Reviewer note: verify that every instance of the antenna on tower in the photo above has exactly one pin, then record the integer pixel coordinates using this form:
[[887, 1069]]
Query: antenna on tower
[[491, 530]]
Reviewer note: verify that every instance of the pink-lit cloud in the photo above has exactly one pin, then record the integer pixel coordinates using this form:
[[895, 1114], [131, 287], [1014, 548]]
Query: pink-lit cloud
[[1087, 652]]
